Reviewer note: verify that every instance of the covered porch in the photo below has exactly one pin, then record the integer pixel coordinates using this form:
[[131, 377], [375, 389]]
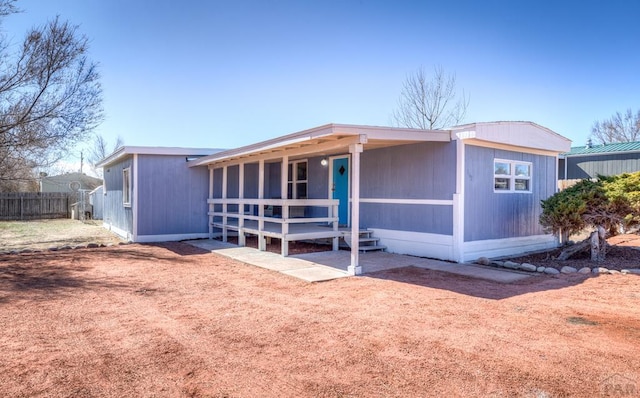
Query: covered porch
[[302, 186]]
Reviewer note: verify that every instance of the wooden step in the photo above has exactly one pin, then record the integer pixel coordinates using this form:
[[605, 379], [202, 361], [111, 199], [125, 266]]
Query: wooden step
[[371, 248]]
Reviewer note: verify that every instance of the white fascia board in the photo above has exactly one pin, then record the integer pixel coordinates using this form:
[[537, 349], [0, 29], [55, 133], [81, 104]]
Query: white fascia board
[[147, 150], [371, 133]]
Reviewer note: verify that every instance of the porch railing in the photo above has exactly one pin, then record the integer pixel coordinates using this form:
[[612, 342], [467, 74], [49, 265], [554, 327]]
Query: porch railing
[[260, 217]]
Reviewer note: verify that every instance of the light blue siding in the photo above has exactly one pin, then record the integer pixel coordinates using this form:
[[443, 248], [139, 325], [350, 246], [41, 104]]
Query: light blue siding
[[490, 215], [114, 212], [172, 197], [418, 171]]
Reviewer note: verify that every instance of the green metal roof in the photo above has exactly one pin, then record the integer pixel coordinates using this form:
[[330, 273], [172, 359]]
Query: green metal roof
[[598, 149]]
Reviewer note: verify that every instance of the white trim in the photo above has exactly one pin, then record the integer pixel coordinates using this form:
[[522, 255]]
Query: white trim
[[135, 197], [312, 138], [171, 237], [416, 243], [354, 268], [436, 202], [147, 150], [120, 232], [127, 187], [492, 248], [512, 177], [459, 202]]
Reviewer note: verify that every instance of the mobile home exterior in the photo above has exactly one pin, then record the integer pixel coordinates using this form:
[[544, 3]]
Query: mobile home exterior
[[150, 194]]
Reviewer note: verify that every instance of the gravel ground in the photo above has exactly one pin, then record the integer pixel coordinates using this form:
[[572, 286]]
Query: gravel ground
[[170, 320]]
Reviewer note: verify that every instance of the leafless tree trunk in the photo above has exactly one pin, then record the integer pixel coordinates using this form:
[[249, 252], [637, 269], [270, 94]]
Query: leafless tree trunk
[[430, 103], [50, 95]]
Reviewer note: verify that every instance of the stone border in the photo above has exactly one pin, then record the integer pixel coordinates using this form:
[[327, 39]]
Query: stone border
[[553, 271], [91, 245]]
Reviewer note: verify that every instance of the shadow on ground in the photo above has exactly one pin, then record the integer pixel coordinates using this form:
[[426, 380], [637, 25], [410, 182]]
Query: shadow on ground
[[478, 287]]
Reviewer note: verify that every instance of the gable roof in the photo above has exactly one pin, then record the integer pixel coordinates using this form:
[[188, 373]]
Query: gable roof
[[149, 150], [519, 134], [604, 149]]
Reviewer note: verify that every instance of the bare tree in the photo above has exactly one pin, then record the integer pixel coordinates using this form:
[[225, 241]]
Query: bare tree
[[50, 95], [430, 103], [100, 149], [620, 128]]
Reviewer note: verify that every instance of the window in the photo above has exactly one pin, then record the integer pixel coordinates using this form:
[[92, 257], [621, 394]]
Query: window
[[511, 176], [126, 187], [297, 178]]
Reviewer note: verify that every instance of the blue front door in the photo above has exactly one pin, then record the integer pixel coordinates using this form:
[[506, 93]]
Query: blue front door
[[340, 188]]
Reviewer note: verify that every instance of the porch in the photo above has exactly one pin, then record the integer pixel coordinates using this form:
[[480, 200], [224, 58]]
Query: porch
[[302, 186]]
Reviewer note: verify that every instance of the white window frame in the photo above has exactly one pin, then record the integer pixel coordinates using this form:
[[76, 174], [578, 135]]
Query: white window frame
[[293, 181], [512, 177], [127, 185]]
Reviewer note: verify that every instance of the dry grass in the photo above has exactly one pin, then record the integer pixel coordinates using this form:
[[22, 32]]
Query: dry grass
[[43, 234]]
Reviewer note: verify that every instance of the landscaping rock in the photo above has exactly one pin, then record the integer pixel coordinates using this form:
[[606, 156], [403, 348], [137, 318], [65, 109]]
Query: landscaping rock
[[53, 249], [600, 270], [498, 263], [92, 245], [635, 271], [584, 270], [614, 272], [66, 247], [528, 267], [568, 270], [540, 269], [511, 265], [483, 261], [26, 251], [551, 271]]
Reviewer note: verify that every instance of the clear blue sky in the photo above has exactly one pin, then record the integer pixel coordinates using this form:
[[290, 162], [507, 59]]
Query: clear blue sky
[[229, 73]]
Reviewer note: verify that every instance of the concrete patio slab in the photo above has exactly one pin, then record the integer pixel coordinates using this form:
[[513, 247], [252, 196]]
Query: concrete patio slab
[[298, 268], [323, 266]]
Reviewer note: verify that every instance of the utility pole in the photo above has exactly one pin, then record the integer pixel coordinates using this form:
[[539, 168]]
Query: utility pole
[[81, 161]]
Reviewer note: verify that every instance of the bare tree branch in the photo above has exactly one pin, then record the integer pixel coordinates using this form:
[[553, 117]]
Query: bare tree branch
[[620, 128], [430, 104], [50, 94]]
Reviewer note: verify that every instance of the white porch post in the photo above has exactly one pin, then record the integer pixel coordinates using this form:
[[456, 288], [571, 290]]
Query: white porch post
[[284, 181], [241, 238], [224, 204], [458, 204], [210, 206], [355, 268], [262, 245]]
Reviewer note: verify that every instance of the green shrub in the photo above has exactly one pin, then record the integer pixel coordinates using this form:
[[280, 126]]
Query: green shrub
[[610, 202]]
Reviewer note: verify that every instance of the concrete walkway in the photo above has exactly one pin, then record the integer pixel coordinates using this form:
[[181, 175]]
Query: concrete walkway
[[328, 265]]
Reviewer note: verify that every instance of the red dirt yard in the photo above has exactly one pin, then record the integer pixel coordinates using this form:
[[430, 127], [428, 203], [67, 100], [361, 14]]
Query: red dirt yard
[[171, 320]]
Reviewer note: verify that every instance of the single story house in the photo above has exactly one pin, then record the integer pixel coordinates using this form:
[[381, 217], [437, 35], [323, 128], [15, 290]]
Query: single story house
[[150, 194], [590, 160], [457, 194], [69, 182]]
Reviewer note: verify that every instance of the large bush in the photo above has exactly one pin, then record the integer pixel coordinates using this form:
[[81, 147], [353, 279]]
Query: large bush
[[610, 202]]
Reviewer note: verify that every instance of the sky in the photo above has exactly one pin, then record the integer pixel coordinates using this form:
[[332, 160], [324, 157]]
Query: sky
[[222, 74]]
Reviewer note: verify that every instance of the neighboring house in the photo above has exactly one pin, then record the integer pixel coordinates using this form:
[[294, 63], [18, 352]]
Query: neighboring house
[[151, 195], [589, 161], [96, 200], [67, 182], [457, 194]]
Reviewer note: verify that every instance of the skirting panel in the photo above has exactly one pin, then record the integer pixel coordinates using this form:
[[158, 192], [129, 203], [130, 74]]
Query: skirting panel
[[507, 247], [167, 238], [416, 243], [120, 232]]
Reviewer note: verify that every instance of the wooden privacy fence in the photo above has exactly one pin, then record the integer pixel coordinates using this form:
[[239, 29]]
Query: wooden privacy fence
[[34, 205]]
